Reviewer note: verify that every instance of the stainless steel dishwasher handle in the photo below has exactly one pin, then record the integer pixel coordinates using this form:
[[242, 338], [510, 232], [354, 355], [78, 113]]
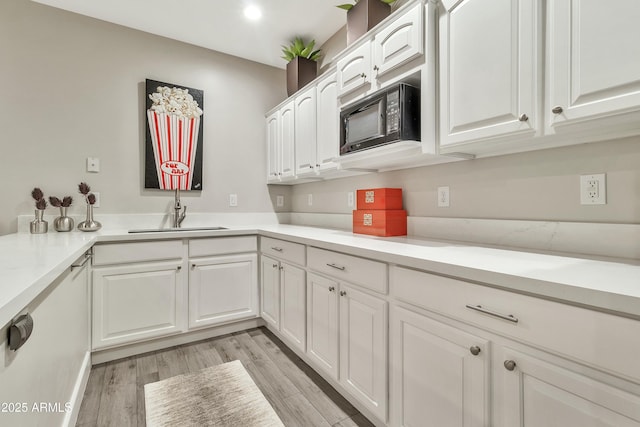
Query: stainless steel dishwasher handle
[[481, 309]]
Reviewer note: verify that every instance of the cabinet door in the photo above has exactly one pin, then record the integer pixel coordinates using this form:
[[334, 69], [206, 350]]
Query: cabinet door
[[294, 301], [223, 289], [305, 132], [137, 302], [51, 365], [270, 290], [322, 323], [354, 70], [287, 140], [400, 42], [273, 146], [438, 373], [488, 71], [363, 348], [593, 65], [328, 134], [541, 393]]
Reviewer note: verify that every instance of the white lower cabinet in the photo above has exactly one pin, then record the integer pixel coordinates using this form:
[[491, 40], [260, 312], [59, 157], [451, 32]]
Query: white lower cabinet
[[222, 289], [363, 348], [353, 349], [532, 392], [138, 301], [322, 323], [293, 299], [438, 373], [270, 291]]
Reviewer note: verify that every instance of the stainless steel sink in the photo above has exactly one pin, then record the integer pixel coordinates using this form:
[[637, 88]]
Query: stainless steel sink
[[163, 230]]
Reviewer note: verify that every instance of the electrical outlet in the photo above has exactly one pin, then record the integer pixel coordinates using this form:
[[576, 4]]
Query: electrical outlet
[[350, 199], [593, 189], [279, 201], [97, 203], [93, 164], [443, 197], [310, 199], [233, 200]]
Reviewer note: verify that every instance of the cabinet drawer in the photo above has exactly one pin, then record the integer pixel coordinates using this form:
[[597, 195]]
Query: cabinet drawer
[[122, 253], [360, 271], [592, 337], [222, 246], [288, 251]]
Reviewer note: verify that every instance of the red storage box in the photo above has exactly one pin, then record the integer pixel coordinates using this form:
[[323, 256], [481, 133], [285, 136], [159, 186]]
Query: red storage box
[[380, 223], [380, 198]]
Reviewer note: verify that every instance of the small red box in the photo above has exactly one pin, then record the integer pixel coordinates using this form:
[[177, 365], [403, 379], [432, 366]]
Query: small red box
[[380, 198], [380, 223]]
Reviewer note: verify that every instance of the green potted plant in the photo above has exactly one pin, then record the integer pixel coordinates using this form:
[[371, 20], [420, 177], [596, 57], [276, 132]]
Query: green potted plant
[[301, 66], [364, 15]]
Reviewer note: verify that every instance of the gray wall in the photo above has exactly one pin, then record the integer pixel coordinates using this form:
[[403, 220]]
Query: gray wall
[[72, 87], [539, 185]]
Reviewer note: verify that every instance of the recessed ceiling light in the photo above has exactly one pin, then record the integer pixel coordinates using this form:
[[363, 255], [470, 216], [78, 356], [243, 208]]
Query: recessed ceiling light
[[252, 12]]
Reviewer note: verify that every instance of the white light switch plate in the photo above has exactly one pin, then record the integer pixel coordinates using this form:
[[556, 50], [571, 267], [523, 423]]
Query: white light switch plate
[[233, 200], [93, 164]]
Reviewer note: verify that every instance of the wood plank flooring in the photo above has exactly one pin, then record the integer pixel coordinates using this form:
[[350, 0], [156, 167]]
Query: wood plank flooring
[[301, 398]]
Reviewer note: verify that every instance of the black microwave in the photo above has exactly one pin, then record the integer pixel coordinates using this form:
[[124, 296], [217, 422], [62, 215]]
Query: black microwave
[[388, 116]]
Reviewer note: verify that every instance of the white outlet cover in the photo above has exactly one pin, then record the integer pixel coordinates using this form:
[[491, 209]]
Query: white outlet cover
[[593, 189], [93, 164], [443, 197], [233, 200], [279, 201], [350, 199], [310, 199]]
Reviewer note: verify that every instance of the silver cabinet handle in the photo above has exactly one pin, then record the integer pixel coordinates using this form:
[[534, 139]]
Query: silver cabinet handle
[[336, 266], [332, 288], [277, 249], [275, 266], [87, 257], [475, 350], [281, 268], [343, 293], [557, 110], [509, 365], [179, 268], [375, 68], [363, 75], [523, 118], [193, 266], [509, 317]]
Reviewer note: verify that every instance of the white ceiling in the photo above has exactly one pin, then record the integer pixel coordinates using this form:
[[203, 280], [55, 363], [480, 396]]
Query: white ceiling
[[221, 25]]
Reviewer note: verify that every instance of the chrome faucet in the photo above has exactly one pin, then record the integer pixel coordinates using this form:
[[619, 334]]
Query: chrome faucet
[[179, 212]]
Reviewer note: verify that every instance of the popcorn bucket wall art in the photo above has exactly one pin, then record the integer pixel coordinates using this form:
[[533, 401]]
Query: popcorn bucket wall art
[[174, 137]]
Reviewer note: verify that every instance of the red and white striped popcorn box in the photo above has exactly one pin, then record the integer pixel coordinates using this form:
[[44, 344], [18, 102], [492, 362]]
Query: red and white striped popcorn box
[[174, 140]]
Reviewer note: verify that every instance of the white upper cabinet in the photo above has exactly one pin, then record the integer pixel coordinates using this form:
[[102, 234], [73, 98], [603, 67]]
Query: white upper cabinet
[[305, 132], [354, 70], [488, 74], [280, 144], [287, 132], [400, 42], [593, 67], [273, 149], [328, 122]]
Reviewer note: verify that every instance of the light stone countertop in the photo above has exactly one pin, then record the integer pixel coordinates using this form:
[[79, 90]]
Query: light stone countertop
[[29, 263]]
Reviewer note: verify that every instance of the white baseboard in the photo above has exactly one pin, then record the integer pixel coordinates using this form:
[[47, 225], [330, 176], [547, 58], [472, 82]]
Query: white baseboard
[[79, 388], [108, 355]]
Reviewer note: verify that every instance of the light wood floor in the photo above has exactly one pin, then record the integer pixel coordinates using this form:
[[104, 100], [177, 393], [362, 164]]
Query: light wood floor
[[301, 398]]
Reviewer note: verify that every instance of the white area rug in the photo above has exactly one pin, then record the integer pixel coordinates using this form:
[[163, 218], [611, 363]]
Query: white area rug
[[223, 395]]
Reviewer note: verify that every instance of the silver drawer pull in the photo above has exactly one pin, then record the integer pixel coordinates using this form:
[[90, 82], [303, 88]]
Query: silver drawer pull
[[509, 317], [275, 248], [87, 257], [336, 266]]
